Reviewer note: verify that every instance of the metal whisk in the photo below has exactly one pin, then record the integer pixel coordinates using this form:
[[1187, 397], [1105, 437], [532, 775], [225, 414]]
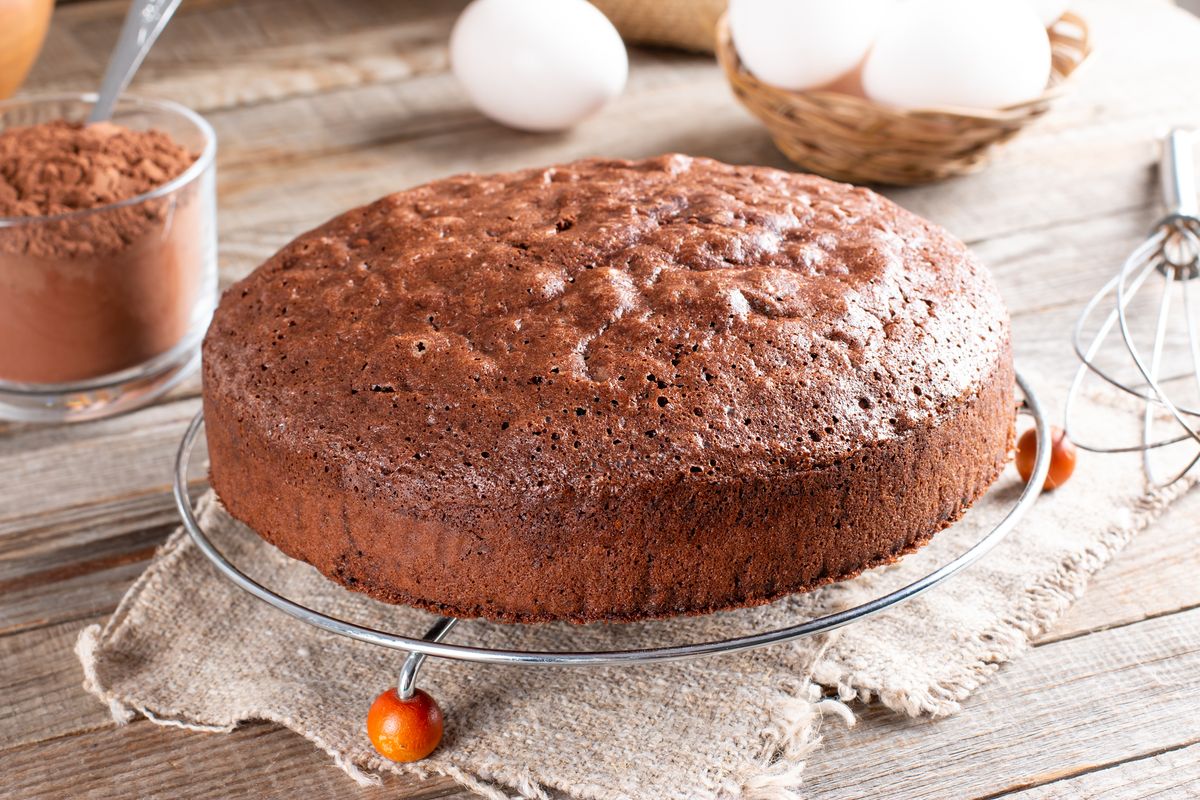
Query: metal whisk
[[1169, 366]]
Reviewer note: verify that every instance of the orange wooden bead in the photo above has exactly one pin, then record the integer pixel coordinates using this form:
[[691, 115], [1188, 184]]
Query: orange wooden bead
[[404, 730], [1062, 457]]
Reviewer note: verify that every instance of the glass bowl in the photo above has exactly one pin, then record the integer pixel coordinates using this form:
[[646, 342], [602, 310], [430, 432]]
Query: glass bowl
[[103, 309]]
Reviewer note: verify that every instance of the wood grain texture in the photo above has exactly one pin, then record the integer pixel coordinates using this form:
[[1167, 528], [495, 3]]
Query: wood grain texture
[[1067, 708], [1155, 576], [221, 53], [42, 469], [43, 689], [321, 105], [258, 761], [1174, 773], [313, 155], [1025, 728]]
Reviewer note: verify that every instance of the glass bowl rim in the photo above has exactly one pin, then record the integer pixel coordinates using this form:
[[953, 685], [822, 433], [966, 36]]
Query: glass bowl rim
[[202, 162]]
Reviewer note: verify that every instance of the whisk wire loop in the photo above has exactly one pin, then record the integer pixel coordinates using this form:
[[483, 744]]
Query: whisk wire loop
[[1172, 251]]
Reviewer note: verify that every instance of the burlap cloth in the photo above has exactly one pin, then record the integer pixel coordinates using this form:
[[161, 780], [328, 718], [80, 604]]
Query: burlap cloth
[[187, 648]]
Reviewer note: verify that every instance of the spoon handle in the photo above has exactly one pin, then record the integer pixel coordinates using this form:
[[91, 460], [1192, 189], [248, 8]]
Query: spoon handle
[[143, 23]]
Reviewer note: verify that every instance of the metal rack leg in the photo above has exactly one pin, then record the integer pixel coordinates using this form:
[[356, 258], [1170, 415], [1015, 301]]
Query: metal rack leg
[[406, 684]]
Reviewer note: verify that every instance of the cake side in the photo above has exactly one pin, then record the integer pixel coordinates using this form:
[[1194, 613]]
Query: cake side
[[641, 552], [608, 389]]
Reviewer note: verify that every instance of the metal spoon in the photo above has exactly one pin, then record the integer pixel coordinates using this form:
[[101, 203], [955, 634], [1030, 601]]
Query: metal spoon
[[143, 23]]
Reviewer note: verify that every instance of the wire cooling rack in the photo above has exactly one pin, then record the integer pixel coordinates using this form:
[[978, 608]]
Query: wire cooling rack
[[432, 644]]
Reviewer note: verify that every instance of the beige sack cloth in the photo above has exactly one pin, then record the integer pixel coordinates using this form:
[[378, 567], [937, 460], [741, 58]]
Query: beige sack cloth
[[187, 648]]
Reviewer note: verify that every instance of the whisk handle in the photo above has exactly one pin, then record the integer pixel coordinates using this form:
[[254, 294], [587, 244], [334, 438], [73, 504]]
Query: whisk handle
[[1178, 173]]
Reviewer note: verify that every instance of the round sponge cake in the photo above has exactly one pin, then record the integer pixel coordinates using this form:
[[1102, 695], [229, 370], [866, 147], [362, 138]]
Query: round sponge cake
[[609, 390]]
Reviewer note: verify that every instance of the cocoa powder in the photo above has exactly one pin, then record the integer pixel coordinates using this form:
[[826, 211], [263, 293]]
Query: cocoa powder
[[87, 287], [61, 166]]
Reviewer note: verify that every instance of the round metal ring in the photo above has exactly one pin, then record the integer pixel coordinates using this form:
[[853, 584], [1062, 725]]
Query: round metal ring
[[616, 657]]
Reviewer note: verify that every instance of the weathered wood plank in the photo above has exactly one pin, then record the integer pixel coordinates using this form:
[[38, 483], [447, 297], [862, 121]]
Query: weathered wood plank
[[1071, 706], [1175, 773], [1154, 576], [1144, 582], [77, 563], [56, 467], [74, 563], [274, 202], [1044, 270], [45, 468], [258, 132], [302, 159], [142, 759], [1061, 266], [93, 593], [220, 53], [28, 551], [1096, 150], [59, 538], [373, 41], [1053, 217], [1121, 693], [43, 688], [428, 105]]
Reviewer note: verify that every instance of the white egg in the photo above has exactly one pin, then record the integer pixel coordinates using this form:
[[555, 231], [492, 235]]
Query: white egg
[[1049, 10], [801, 44], [967, 53], [538, 65]]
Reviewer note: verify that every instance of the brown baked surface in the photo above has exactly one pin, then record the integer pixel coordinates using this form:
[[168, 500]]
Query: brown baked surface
[[609, 390]]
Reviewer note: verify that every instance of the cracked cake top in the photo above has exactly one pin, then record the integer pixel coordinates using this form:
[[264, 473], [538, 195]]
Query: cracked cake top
[[555, 330]]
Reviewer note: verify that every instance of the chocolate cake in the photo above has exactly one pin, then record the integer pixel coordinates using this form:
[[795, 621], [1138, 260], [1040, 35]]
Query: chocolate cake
[[609, 390]]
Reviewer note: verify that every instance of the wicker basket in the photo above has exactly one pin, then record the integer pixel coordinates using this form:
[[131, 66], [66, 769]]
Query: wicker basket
[[850, 138]]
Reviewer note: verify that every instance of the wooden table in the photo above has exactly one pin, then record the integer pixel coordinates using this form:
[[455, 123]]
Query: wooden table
[[321, 105]]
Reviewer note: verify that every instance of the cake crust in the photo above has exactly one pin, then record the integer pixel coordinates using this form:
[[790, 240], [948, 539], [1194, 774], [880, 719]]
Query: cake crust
[[608, 390]]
